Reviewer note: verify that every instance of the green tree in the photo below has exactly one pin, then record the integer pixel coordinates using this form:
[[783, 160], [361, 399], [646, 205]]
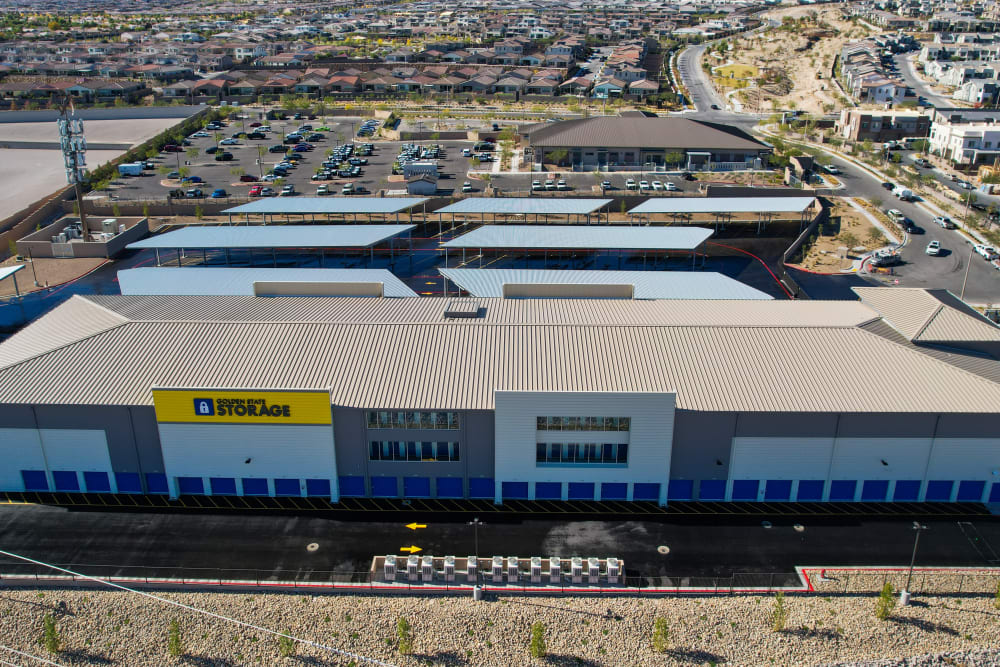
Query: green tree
[[50, 636], [405, 635], [286, 645], [875, 236], [175, 646], [673, 157], [779, 615], [538, 640], [661, 635], [193, 152], [557, 156], [848, 239], [886, 603]]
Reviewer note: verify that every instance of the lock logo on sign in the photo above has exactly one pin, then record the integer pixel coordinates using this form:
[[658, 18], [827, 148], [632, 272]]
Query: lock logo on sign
[[204, 407]]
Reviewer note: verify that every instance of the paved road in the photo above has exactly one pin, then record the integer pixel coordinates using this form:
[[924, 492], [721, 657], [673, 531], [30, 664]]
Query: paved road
[[919, 269], [905, 65], [276, 545]]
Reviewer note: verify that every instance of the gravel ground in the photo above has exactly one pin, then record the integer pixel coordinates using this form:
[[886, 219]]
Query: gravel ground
[[119, 628]]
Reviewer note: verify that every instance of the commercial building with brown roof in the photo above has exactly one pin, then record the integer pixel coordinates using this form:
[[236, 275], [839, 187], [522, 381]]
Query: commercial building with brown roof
[[630, 141]]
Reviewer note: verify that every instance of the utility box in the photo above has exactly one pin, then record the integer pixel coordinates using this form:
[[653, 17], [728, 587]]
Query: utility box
[[427, 568], [512, 569], [449, 568], [471, 569], [496, 569], [555, 570], [412, 567], [536, 570], [614, 571], [593, 570], [389, 568], [576, 570]]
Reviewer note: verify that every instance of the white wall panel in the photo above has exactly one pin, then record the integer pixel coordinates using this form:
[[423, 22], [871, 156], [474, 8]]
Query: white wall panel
[[766, 458], [650, 437], [76, 449], [274, 451], [965, 459], [861, 458], [20, 449]]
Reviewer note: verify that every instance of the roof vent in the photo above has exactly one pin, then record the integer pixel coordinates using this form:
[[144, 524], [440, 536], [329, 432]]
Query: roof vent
[[461, 308]]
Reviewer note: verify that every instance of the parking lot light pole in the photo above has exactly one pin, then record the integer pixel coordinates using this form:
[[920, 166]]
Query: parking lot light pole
[[904, 595], [476, 523]]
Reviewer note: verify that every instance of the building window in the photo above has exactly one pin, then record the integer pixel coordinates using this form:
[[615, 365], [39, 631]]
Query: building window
[[575, 453], [445, 421], [401, 450], [583, 423]]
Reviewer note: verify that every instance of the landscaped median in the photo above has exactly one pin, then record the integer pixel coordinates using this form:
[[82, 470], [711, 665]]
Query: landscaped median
[[834, 624]]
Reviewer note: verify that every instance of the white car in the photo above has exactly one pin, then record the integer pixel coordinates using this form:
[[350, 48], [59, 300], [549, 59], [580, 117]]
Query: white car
[[944, 221], [965, 185], [657, 185], [933, 248], [561, 184], [230, 142], [323, 190], [630, 184], [536, 185], [467, 186], [669, 187], [288, 191], [831, 169], [550, 184], [988, 252], [466, 152], [201, 134], [643, 185]]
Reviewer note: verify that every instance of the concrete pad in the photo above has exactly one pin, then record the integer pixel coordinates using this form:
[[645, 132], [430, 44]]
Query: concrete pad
[[28, 175], [127, 130]]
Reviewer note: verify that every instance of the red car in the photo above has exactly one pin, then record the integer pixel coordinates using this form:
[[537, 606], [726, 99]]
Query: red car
[[255, 124], [172, 148], [247, 178], [255, 191]]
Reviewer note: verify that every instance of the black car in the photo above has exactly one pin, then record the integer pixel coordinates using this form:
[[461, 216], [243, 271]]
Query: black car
[[888, 186], [256, 135], [223, 157], [211, 149], [687, 176], [276, 149]]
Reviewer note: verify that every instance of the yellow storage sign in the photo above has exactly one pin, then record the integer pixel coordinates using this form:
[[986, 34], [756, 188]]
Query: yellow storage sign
[[223, 406]]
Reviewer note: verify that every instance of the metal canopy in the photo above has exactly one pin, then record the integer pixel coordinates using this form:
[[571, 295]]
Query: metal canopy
[[8, 271], [646, 284], [525, 206], [222, 281], [326, 205], [281, 236], [582, 237], [723, 205]]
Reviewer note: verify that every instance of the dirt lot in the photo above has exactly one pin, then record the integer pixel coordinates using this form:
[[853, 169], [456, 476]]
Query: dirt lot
[[823, 255], [50, 272], [790, 62]]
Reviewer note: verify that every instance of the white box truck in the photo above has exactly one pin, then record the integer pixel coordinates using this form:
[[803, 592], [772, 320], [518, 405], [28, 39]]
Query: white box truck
[[903, 193], [131, 169]]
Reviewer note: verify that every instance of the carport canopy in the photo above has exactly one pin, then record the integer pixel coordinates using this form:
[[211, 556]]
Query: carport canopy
[[281, 236], [723, 205], [326, 205], [581, 237], [223, 281]]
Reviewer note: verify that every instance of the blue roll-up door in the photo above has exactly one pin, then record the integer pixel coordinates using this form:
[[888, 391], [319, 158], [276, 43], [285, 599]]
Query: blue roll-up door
[[548, 491], [287, 487], [449, 487], [712, 489], [680, 489], [842, 489], [645, 491], [384, 487], [128, 482], [874, 490], [156, 482], [581, 490], [66, 480], [222, 486], [614, 491], [190, 486], [970, 491], [351, 486], [254, 486], [778, 489], [995, 493], [97, 482], [907, 490], [514, 490], [416, 487], [745, 489], [318, 487], [939, 491], [35, 480], [810, 490], [482, 487]]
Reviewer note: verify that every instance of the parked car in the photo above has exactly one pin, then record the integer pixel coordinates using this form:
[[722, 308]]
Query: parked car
[[944, 221], [630, 184], [201, 134], [229, 142], [606, 185], [921, 162], [467, 186], [219, 193], [643, 185], [347, 189], [256, 124], [174, 175], [933, 248], [561, 184], [194, 193], [536, 185], [323, 189], [288, 191], [550, 184], [247, 178], [687, 176], [669, 187], [267, 192], [211, 150], [172, 148], [192, 179], [276, 149], [256, 190], [657, 185], [989, 253], [225, 156], [256, 135]]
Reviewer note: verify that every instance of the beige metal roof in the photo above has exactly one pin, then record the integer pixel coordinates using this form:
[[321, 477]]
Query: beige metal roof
[[75, 319], [631, 132], [928, 315], [714, 362]]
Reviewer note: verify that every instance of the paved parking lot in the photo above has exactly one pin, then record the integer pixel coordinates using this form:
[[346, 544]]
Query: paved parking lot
[[588, 183], [254, 158]]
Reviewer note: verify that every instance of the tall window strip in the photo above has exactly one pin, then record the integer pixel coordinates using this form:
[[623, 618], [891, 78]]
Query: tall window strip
[[405, 450], [583, 423], [608, 453], [443, 421]]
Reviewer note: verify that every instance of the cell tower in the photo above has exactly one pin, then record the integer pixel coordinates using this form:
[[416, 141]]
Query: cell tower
[[74, 150]]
